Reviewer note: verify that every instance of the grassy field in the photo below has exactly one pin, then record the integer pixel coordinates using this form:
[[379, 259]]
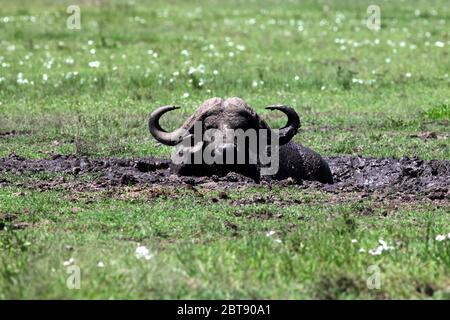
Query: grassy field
[[89, 92]]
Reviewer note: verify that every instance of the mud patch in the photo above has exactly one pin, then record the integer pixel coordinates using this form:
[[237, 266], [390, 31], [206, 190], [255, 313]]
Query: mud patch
[[10, 220], [13, 133], [404, 179]]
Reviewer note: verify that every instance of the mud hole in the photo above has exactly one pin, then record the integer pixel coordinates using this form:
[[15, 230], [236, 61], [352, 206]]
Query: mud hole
[[402, 179]]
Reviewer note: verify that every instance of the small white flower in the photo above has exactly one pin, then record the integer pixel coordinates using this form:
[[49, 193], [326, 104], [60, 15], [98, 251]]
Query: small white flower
[[185, 53], [68, 262], [384, 245], [361, 250], [92, 51], [254, 84], [270, 233], [185, 95], [100, 264], [377, 251], [21, 79], [143, 253], [215, 72], [90, 42], [408, 74], [388, 60], [354, 241], [94, 64], [439, 44], [297, 78], [440, 237], [44, 77], [278, 240], [199, 69]]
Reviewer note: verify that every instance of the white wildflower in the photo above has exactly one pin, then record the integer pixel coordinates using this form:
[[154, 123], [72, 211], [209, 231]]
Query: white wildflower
[[270, 233], [21, 79], [69, 60], [381, 248], [68, 262], [377, 251], [143, 253], [94, 64]]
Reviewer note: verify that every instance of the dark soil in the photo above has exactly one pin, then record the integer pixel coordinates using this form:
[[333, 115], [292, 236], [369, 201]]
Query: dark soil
[[398, 178]]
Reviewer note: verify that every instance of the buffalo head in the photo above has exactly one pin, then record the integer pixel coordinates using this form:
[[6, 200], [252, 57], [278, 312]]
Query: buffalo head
[[218, 126]]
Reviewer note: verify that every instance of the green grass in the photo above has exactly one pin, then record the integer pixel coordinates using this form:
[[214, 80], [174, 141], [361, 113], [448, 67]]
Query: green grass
[[308, 55], [197, 256]]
